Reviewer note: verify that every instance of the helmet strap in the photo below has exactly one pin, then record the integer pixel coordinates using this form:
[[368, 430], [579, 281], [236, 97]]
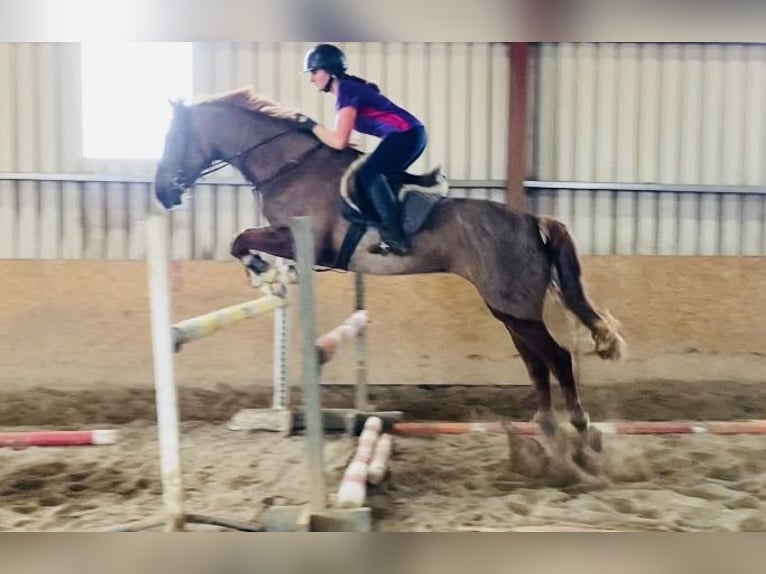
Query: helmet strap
[[328, 85]]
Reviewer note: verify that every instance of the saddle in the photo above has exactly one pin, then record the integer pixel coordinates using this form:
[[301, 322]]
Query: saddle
[[417, 194]]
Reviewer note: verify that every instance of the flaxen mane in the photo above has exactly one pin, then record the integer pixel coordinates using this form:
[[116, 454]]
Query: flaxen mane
[[248, 99]]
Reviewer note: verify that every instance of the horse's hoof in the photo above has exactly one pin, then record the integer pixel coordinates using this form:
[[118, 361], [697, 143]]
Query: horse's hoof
[[280, 290], [255, 281], [255, 263], [548, 426], [580, 420], [292, 274], [255, 268], [594, 439], [546, 421]]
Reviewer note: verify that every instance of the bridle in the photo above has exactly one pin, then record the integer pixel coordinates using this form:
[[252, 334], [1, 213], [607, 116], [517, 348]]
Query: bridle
[[182, 181]]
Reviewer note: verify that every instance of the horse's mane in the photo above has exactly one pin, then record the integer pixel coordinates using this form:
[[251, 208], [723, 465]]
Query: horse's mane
[[248, 99]]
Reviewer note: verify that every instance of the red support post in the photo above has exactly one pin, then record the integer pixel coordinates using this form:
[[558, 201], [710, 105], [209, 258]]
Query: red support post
[[518, 54]]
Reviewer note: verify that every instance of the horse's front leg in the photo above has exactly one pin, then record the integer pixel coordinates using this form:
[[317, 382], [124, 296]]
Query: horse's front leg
[[271, 278]]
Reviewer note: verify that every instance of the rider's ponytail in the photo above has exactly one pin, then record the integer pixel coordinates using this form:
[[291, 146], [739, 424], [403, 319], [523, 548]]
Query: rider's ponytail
[[360, 81]]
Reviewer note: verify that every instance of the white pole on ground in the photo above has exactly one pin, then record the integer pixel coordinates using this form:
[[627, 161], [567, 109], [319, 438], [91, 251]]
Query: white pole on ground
[[353, 487], [281, 399], [164, 382], [360, 348], [304, 243]]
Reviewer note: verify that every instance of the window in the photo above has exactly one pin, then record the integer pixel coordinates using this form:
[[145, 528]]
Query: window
[[125, 92]]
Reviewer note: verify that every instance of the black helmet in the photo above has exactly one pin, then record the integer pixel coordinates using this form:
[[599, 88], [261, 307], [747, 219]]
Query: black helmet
[[326, 57]]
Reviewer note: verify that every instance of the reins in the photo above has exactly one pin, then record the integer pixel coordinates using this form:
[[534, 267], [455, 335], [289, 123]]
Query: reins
[[291, 164], [183, 181]]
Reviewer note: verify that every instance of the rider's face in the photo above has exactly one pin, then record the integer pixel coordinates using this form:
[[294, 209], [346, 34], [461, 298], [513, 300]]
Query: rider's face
[[319, 78]]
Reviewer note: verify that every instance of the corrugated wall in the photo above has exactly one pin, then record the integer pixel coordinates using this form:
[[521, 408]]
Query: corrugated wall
[[458, 89], [668, 113]]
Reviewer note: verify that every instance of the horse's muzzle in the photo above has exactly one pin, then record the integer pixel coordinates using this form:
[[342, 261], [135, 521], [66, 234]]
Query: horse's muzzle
[[170, 195]]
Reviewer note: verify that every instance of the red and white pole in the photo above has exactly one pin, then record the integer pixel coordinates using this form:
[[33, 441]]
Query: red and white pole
[[22, 439], [613, 427]]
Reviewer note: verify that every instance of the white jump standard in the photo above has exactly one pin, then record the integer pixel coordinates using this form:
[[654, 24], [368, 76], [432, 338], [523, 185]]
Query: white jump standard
[[167, 339]]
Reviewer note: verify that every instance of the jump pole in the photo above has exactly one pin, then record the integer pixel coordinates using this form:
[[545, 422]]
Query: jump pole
[[23, 439], [369, 465], [431, 428], [205, 325], [279, 417]]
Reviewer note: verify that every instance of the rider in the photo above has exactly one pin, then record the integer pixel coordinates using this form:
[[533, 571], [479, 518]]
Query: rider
[[360, 105]]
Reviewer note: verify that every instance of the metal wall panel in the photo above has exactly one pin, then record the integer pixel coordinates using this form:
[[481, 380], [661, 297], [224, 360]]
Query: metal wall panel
[[102, 216], [459, 90], [660, 113], [665, 113], [696, 231]]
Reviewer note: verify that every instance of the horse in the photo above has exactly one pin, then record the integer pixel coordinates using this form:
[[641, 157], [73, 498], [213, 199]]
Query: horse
[[512, 258]]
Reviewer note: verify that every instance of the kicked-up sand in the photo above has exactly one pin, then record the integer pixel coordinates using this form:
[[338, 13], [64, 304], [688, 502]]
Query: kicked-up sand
[[481, 482]]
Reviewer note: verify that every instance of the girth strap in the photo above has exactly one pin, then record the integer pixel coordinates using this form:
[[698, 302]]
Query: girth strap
[[353, 236]]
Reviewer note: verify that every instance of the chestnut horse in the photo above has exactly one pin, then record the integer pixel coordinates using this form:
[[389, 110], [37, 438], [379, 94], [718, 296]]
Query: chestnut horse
[[511, 258]]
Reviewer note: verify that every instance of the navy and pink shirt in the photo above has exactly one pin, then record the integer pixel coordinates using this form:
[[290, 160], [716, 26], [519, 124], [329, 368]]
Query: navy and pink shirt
[[375, 114]]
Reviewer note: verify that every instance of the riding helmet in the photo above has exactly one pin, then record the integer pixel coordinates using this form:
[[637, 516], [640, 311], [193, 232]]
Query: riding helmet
[[325, 57]]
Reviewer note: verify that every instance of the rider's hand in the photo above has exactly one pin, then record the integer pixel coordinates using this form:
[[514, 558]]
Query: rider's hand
[[305, 122]]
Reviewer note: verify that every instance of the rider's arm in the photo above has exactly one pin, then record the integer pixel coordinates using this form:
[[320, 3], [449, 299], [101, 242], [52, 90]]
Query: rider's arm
[[340, 136]]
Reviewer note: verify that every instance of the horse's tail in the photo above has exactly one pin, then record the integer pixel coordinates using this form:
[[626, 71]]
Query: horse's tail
[[563, 254]]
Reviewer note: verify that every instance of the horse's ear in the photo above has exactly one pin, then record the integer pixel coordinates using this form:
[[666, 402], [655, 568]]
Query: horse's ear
[[175, 103]]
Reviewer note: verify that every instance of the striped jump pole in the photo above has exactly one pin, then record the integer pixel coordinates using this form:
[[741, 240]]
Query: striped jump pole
[[22, 439], [207, 324], [329, 343], [353, 486], [368, 465], [430, 428], [194, 328]]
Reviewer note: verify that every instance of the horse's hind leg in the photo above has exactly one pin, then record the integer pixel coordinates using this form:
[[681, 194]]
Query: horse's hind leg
[[249, 244], [540, 343], [540, 375]]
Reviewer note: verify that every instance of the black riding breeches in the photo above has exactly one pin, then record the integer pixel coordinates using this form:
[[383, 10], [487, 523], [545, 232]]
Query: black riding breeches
[[394, 154]]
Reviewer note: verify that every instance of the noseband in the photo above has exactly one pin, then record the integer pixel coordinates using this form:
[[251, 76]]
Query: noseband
[[183, 181]]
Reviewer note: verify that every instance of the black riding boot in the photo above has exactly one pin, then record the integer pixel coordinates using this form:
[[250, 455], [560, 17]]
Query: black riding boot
[[385, 203]]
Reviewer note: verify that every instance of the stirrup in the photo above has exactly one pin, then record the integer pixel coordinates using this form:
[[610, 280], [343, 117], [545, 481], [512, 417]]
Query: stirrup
[[384, 248]]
